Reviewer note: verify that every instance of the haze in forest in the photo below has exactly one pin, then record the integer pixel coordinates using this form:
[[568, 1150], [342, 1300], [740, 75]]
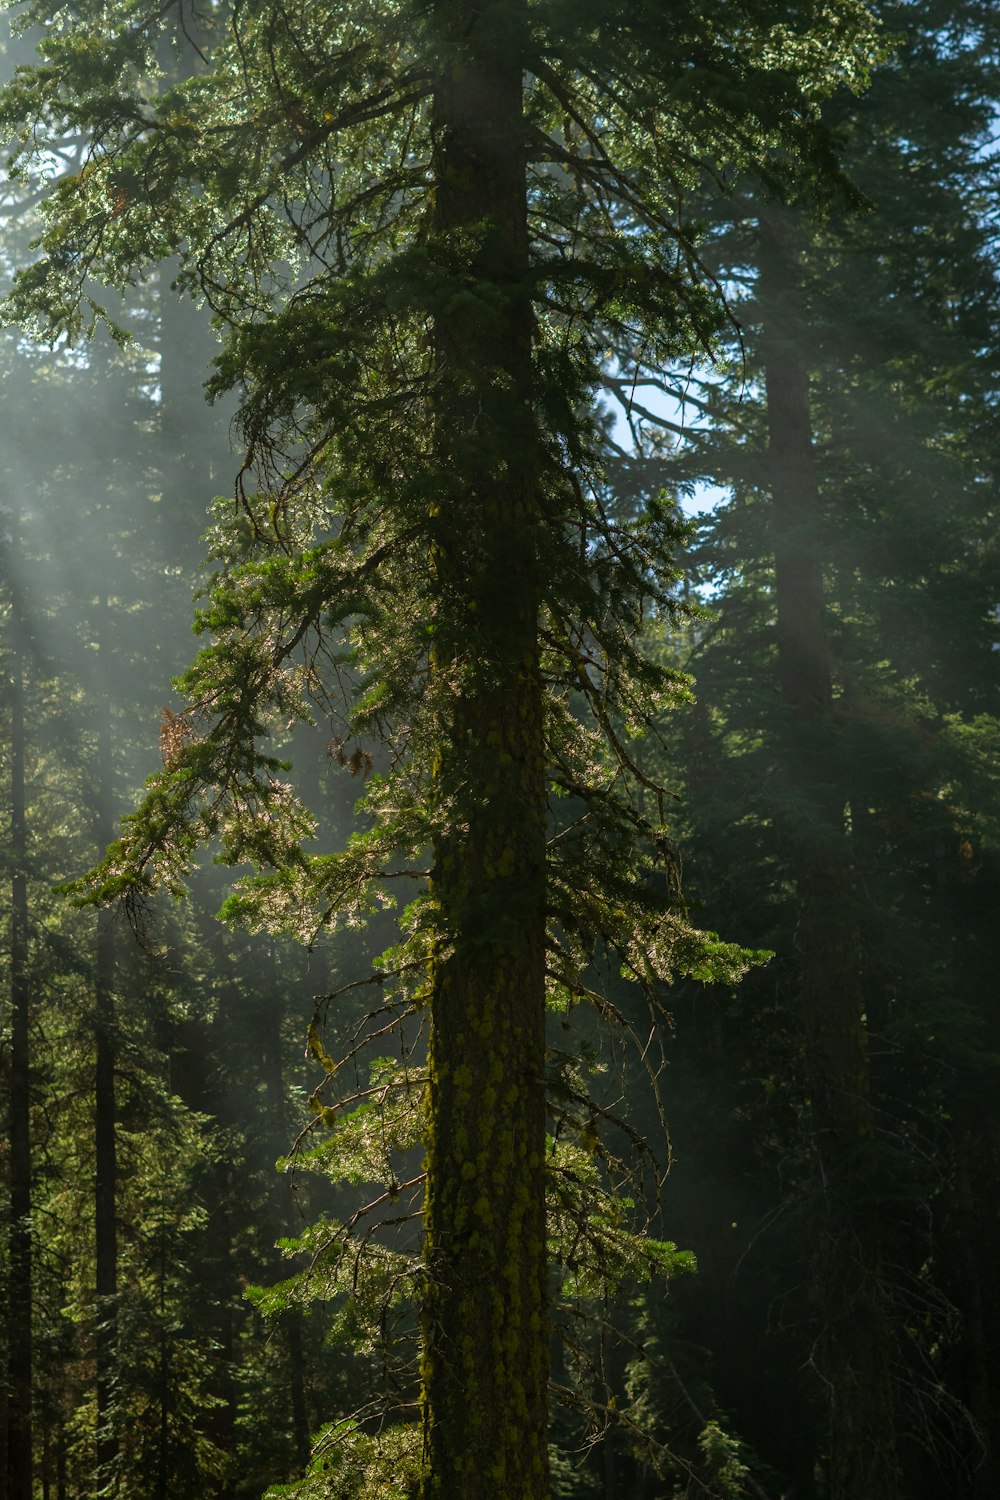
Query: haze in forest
[[744, 336]]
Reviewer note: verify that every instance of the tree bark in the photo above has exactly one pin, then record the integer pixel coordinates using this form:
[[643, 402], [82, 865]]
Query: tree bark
[[484, 1365], [855, 1345]]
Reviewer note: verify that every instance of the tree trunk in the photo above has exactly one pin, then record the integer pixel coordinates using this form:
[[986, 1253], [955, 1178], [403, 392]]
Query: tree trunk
[[105, 1184], [105, 1120], [19, 1274], [283, 1216], [485, 1355], [854, 1352]]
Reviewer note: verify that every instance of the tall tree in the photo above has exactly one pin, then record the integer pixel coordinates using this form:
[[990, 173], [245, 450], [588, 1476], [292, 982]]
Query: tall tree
[[404, 219], [484, 1363], [855, 585], [856, 1339]]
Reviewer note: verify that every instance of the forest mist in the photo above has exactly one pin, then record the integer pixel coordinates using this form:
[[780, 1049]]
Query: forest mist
[[801, 1122]]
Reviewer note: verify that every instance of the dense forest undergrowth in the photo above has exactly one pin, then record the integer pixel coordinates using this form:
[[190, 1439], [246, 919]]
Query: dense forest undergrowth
[[462, 1158]]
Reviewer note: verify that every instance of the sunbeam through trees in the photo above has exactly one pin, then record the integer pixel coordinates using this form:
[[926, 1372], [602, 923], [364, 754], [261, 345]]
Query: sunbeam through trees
[[508, 1010]]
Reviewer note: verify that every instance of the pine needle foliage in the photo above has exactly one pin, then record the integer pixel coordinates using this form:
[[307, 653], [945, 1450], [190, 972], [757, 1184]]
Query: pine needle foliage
[[416, 223]]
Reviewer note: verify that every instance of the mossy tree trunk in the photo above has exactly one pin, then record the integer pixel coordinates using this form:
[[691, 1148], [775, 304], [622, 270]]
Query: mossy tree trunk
[[485, 1345], [854, 1351]]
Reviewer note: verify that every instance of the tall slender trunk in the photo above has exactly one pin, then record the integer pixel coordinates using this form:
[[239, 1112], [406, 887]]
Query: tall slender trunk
[[195, 460], [163, 1374], [19, 1273], [277, 1137], [484, 1364], [854, 1352], [105, 1185], [105, 1119]]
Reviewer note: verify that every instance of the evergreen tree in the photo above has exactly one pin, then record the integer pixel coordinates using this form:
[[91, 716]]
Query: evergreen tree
[[855, 592], [403, 218], [85, 726]]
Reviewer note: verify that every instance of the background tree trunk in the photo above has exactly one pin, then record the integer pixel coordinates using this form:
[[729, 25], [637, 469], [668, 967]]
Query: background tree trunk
[[19, 1274], [854, 1351], [105, 1119]]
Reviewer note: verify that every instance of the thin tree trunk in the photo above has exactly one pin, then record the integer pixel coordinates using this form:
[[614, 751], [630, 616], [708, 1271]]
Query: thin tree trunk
[[19, 1282], [195, 457], [283, 1199], [163, 1446], [854, 1352], [105, 1185], [485, 1354], [105, 1125]]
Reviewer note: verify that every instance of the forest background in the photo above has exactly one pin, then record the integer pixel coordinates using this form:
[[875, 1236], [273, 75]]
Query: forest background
[[833, 1148]]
